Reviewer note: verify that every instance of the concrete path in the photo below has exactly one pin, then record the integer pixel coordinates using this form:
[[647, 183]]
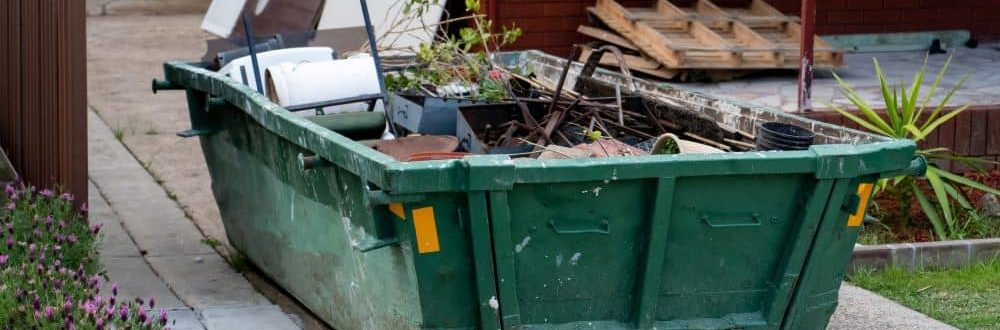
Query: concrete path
[[124, 52], [151, 249]]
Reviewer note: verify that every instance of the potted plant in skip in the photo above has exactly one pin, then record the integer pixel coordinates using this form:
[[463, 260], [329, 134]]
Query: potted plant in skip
[[909, 114], [451, 71]]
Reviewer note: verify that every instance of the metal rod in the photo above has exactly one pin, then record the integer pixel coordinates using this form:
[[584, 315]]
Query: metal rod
[[324, 104], [248, 31], [562, 76], [373, 44], [806, 54]]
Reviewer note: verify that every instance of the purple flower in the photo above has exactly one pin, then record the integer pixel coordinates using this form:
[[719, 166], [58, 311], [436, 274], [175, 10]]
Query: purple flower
[[83, 208], [48, 221], [47, 192], [67, 197], [10, 242], [62, 224], [163, 317], [123, 312], [49, 312], [142, 316], [67, 306], [36, 304], [97, 228], [90, 306], [3, 259], [9, 190], [152, 303], [114, 289], [99, 324], [110, 308], [11, 206], [71, 238]]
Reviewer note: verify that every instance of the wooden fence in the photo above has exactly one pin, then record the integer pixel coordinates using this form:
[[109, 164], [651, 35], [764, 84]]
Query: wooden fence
[[43, 85], [975, 132]]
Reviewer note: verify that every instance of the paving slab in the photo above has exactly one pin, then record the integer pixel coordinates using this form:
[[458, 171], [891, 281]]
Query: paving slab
[[157, 226], [183, 319], [206, 281], [262, 317], [115, 242], [136, 279], [860, 309], [982, 88]]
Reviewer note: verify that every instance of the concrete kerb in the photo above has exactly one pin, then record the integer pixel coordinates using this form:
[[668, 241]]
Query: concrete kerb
[[942, 254]]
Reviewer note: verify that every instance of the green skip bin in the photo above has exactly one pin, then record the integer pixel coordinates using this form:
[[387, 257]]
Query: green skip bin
[[735, 240]]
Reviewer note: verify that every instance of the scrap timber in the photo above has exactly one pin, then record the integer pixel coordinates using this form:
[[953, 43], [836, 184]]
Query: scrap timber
[[708, 36]]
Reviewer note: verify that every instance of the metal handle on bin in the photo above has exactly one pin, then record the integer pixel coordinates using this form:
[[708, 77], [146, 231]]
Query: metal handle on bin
[[605, 229], [311, 162], [918, 166], [165, 85], [754, 222]]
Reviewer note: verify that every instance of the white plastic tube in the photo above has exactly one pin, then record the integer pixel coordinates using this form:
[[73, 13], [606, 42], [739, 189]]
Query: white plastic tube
[[241, 69], [292, 84]]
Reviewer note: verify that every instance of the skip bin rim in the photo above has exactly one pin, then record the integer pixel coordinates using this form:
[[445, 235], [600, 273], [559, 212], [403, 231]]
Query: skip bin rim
[[493, 172]]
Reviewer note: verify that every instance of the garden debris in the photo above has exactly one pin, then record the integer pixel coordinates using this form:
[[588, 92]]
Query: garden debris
[[560, 152], [704, 40], [610, 148], [404, 148]]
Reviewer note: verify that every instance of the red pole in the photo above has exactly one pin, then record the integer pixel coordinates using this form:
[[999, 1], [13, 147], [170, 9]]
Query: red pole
[[806, 54]]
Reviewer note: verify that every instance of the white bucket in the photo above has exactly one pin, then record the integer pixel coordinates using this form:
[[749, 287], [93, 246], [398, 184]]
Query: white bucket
[[241, 69], [292, 84]]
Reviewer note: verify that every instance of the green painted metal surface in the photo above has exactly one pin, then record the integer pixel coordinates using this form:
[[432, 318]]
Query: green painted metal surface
[[754, 240]]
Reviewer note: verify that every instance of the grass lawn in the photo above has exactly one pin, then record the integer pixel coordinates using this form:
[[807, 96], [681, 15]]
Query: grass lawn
[[968, 298]]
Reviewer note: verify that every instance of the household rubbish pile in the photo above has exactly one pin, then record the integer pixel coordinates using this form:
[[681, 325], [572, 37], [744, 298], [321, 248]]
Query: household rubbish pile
[[450, 102], [672, 41]]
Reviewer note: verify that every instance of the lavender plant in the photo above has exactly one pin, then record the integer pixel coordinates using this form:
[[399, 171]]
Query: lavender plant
[[49, 269]]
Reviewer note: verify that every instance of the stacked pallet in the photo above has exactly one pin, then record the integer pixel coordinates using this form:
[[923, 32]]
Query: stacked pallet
[[670, 40]]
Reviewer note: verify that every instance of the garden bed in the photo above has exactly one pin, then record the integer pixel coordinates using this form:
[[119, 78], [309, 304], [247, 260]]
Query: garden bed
[[975, 223], [50, 269]]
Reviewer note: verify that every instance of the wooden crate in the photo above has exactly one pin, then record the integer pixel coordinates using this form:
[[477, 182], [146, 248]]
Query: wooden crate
[[706, 36]]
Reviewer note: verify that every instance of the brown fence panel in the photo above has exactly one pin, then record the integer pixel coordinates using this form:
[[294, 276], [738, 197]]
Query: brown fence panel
[[974, 133], [43, 101]]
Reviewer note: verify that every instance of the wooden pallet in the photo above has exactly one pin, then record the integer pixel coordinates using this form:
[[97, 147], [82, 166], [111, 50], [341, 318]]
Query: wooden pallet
[[706, 36]]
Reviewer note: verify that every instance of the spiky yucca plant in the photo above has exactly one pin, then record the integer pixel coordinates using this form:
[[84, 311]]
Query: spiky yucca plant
[[906, 118]]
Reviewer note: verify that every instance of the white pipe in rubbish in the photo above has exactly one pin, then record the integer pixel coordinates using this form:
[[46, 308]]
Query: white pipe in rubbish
[[241, 69], [291, 84]]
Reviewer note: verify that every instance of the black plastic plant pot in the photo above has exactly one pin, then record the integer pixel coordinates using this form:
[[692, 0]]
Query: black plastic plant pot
[[781, 136]]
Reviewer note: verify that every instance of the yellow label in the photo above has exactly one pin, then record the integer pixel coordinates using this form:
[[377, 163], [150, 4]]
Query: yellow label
[[426, 230], [865, 193], [397, 209]]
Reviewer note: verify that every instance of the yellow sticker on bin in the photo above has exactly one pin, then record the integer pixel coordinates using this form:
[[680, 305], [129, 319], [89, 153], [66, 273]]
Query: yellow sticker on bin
[[426, 230], [397, 209], [865, 193]]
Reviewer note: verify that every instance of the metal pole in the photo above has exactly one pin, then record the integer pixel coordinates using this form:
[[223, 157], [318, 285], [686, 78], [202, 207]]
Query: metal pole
[[806, 54], [373, 44], [248, 31]]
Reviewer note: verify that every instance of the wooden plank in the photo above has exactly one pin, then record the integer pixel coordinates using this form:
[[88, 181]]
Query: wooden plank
[[606, 36], [635, 63], [963, 136], [978, 127], [946, 139], [993, 133], [696, 40]]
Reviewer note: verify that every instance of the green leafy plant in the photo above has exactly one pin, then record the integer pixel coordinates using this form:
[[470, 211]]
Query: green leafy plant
[[907, 118], [457, 65]]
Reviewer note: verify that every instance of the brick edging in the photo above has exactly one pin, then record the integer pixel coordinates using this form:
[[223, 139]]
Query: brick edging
[[946, 254]]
